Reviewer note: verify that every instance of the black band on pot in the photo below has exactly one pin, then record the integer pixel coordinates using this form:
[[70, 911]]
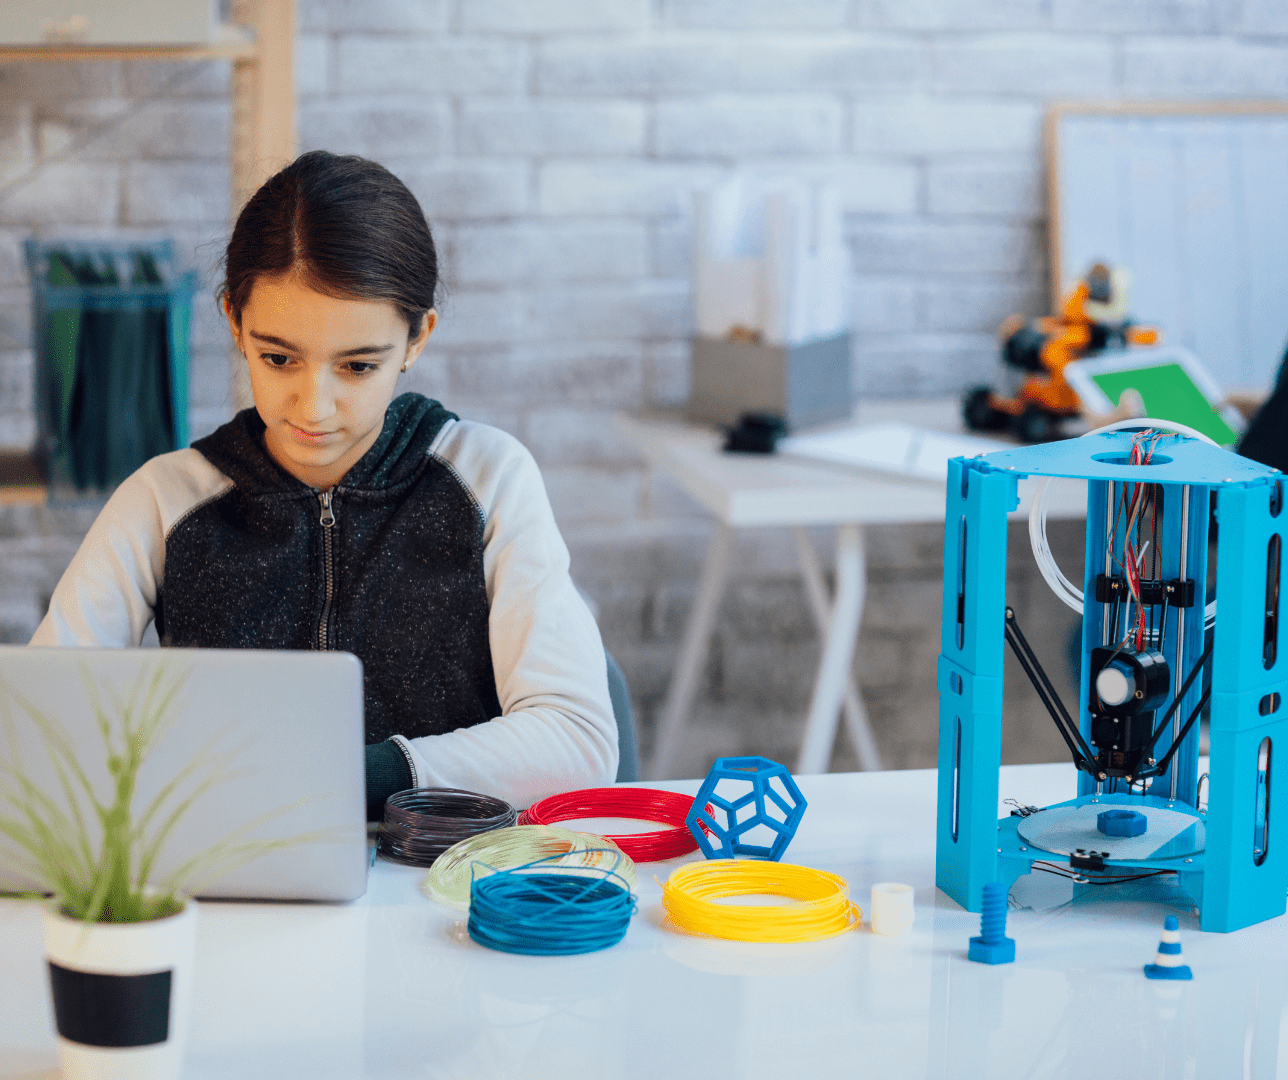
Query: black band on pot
[[94, 1009]]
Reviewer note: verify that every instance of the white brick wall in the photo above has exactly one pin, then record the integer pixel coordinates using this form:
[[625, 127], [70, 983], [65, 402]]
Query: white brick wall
[[1140, 16], [520, 17], [731, 127], [68, 193], [1010, 15], [404, 64], [372, 126], [16, 146], [113, 149], [551, 128], [989, 188], [539, 252], [381, 16], [1077, 65], [1188, 68], [455, 189], [175, 192], [555, 146], [640, 187], [928, 126], [727, 15]]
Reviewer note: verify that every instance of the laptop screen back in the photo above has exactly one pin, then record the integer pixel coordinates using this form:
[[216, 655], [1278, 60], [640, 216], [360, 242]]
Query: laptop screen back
[[280, 732]]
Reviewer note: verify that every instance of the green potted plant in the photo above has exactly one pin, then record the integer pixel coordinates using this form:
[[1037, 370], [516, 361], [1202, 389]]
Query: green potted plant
[[119, 939]]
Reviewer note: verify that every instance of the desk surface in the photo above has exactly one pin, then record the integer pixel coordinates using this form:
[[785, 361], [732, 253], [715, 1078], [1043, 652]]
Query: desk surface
[[391, 986], [748, 490]]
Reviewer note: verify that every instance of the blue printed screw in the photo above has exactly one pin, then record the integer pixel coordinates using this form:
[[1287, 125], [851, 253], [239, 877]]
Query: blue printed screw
[[993, 946]]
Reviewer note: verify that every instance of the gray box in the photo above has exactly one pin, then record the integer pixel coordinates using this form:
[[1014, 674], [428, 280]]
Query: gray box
[[805, 384]]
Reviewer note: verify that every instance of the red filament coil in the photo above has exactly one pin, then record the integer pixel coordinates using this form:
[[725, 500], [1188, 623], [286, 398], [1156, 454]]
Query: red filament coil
[[643, 804]]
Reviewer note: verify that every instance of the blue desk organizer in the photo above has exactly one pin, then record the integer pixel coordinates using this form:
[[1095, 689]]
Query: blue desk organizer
[[1239, 876], [769, 785]]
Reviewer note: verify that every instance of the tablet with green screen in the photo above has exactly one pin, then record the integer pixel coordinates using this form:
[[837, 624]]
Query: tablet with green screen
[[1170, 380]]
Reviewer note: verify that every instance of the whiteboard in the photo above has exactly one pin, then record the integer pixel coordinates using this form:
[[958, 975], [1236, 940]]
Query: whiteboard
[[1195, 205]]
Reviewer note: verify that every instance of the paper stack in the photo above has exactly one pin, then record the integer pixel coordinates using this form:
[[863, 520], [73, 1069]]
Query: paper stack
[[770, 263]]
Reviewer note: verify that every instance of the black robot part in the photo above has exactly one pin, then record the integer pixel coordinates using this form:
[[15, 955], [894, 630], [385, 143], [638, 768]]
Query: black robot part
[[1175, 593], [1023, 349], [1083, 756], [1136, 762], [1100, 284], [1126, 686], [1142, 674]]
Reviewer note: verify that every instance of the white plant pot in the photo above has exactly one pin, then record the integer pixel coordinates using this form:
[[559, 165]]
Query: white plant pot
[[121, 993]]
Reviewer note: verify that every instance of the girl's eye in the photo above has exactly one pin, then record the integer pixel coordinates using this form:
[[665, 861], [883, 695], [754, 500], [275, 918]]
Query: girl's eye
[[359, 367], [276, 359]]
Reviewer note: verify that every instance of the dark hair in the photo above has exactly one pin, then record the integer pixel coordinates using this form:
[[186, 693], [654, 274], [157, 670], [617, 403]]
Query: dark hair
[[348, 225]]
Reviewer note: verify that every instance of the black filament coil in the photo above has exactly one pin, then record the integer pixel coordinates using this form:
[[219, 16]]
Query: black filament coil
[[421, 823]]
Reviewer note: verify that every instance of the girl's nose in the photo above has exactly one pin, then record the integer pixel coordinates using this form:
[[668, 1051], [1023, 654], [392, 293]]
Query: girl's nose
[[317, 396]]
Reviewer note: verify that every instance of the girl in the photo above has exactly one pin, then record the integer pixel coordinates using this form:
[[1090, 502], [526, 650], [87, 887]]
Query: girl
[[333, 516]]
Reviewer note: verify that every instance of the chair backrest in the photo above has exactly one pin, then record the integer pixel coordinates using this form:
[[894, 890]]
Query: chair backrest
[[628, 747]]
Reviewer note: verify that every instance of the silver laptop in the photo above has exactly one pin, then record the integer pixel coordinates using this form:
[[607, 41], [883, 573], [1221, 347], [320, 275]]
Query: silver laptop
[[280, 733]]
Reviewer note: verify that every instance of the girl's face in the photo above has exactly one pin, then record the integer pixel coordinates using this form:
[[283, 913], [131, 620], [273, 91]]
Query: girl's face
[[322, 372]]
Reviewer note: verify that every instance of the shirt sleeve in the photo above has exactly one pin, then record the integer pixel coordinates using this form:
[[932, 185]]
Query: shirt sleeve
[[556, 730], [107, 596]]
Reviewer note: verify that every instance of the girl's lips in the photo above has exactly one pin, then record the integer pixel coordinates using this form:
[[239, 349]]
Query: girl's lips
[[308, 436]]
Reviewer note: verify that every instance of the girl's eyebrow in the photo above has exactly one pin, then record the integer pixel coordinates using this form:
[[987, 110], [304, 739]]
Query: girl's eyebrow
[[361, 350], [269, 339]]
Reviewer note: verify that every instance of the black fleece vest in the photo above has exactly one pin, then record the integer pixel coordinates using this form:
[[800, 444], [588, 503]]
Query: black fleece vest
[[397, 578]]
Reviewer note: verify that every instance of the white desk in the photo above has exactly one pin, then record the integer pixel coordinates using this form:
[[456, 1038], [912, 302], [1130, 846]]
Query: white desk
[[753, 490], [391, 986]]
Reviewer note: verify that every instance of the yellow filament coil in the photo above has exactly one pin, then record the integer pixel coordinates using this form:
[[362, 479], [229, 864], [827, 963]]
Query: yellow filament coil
[[821, 906]]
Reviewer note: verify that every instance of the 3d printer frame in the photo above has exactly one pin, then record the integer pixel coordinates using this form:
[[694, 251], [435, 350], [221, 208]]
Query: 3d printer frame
[[1135, 740]]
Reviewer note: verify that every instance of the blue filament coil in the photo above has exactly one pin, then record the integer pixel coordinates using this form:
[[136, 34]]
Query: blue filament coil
[[549, 914]]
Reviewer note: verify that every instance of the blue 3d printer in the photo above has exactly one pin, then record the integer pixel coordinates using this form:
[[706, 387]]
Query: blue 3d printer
[[1146, 630]]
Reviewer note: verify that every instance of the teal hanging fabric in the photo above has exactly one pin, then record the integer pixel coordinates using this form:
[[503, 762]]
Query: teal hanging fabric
[[62, 337], [114, 360], [155, 396]]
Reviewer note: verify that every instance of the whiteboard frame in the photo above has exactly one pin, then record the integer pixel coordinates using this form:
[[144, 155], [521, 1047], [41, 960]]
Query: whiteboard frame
[[1058, 111]]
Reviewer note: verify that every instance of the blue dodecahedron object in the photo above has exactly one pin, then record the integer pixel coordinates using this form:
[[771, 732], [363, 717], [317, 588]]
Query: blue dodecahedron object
[[1122, 822], [770, 785]]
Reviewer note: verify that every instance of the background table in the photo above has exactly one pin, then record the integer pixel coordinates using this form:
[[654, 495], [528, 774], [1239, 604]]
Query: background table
[[753, 490], [390, 986]]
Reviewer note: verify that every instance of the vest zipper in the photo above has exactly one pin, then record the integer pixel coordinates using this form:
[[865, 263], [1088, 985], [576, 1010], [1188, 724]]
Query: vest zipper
[[328, 563]]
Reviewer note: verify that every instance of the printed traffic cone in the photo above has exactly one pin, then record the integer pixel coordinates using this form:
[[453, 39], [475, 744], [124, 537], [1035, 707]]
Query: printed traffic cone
[[1167, 961]]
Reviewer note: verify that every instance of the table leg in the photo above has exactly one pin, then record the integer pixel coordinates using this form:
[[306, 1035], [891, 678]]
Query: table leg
[[838, 651], [853, 709], [693, 653]]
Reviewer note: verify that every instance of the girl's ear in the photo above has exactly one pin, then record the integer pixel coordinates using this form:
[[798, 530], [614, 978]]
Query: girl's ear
[[417, 344], [226, 304]]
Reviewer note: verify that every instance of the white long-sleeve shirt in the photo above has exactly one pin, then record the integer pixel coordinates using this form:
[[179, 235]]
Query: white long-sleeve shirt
[[555, 730]]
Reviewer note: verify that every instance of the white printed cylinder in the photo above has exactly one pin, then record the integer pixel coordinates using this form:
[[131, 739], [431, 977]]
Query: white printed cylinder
[[892, 910]]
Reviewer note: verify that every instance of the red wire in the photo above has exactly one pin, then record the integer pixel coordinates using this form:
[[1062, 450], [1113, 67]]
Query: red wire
[[643, 804], [1133, 508]]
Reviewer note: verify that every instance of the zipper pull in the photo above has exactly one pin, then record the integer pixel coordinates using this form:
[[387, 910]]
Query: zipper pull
[[328, 515]]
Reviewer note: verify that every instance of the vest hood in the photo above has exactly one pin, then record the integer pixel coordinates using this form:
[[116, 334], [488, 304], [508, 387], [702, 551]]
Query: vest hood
[[412, 422]]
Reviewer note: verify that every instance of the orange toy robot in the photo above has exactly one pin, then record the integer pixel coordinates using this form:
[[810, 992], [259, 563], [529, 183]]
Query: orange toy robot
[[1094, 318]]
